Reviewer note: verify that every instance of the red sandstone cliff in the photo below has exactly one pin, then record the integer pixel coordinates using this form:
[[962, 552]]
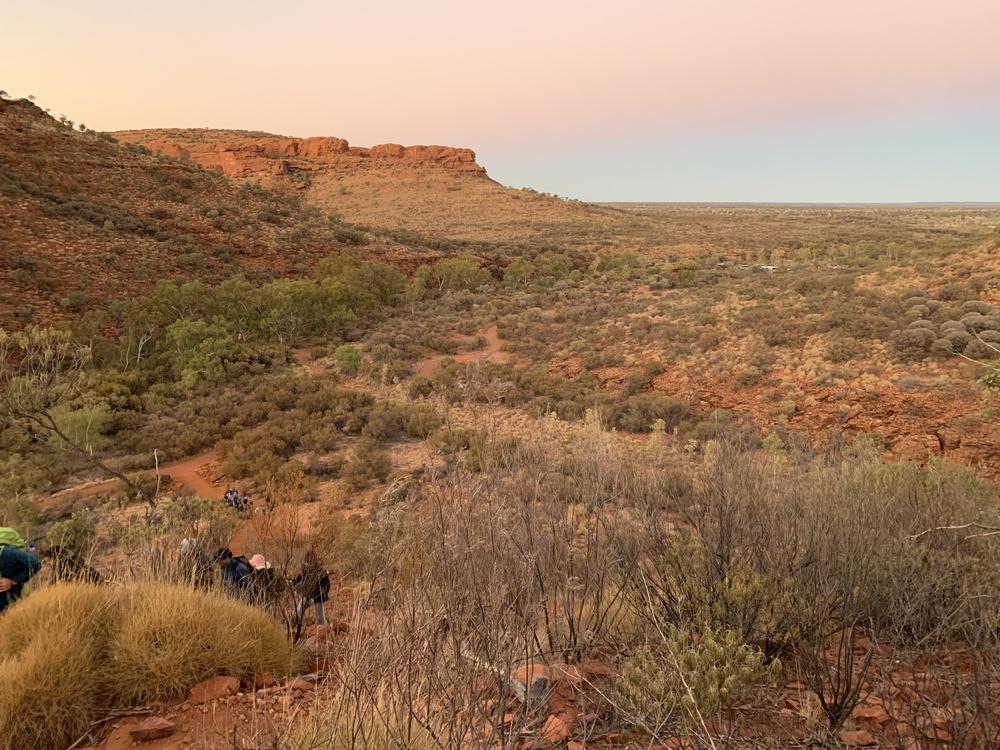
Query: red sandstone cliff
[[240, 156]]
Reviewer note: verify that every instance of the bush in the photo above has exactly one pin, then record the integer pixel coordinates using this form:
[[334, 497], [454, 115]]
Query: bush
[[942, 347], [421, 421], [72, 652], [348, 358], [913, 343], [638, 413], [689, 680], [421, 386], [369, 465]]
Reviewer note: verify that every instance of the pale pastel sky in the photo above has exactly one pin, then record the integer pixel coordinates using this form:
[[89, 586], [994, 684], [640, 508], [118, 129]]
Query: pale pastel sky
[[697, 100]]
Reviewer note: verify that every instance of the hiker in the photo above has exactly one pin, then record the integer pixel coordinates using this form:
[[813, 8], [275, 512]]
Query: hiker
[[67, 566], [237, 575], [313, 583], [267, 585], [232, 498], [17, 566]]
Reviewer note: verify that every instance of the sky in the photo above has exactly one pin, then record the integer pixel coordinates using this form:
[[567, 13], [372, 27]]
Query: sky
[[659, 100]]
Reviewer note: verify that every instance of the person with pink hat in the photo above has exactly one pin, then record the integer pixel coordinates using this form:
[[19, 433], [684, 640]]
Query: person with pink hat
[[266, 584]]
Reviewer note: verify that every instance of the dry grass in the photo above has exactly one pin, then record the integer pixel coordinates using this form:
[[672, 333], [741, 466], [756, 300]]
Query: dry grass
[[71, 651]]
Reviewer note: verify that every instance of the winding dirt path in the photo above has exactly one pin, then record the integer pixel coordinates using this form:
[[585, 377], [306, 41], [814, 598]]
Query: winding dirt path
[[194, 473]]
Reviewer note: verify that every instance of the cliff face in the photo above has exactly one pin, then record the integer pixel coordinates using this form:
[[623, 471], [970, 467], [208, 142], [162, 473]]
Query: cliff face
[[243, 157]]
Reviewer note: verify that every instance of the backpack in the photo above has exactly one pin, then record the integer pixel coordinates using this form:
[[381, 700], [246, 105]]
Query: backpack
[[10, 538]]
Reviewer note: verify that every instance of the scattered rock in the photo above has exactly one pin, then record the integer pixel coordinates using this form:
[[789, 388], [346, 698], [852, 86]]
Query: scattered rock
[[214, 689], [155, 728], [536, 680], [300, 685], [875, 712], [555, 730]]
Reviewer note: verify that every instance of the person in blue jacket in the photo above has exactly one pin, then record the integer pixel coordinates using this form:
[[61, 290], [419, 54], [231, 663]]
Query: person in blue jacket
[[17, 566]]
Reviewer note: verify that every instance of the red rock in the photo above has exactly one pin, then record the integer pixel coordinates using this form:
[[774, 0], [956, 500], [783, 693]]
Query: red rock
[[874, 712], [536, 679], [555, 730], [856, 737], [264, 680], [214, 689], [154, 728], [574, 745], [300, 685], [247, 157]]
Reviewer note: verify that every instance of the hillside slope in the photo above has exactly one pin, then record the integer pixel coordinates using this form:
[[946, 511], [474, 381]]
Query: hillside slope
[[86, 220], [435, 190]]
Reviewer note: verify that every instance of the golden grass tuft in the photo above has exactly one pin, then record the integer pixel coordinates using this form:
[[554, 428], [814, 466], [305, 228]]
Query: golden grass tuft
[[170, 638], [72, 651], [50, 684]]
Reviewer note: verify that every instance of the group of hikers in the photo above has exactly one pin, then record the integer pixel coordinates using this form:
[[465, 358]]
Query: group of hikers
[[256, 581], [242, 504], [252, 580]]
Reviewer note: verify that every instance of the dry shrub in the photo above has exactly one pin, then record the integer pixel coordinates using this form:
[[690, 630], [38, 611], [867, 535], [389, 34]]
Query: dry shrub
[[72, 651]]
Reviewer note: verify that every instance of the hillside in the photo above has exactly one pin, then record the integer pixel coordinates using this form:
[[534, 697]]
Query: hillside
[[86, 220], [435, 190]]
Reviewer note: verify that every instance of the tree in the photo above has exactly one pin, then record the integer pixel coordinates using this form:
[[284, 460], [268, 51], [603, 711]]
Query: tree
[[518, 271], [462, 272], [41, 375]]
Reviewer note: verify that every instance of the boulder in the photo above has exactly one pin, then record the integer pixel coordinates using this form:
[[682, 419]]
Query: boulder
[[265, 680], [213, 689]]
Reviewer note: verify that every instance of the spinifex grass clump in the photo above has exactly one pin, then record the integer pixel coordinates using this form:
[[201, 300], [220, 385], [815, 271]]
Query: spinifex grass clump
[[72, 651]]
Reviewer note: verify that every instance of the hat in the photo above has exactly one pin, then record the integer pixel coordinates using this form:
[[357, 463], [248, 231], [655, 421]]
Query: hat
[[258, 562]]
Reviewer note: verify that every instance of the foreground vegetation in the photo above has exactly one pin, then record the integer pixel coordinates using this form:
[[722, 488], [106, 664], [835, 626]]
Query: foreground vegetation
[[73, 652]]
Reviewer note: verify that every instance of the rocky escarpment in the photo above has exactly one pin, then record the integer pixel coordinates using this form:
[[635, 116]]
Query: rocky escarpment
[[243, 157]]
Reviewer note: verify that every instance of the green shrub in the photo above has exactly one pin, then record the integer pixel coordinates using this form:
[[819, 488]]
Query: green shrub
[[348, 358], [368, 465], [687, 680], [422, 421]]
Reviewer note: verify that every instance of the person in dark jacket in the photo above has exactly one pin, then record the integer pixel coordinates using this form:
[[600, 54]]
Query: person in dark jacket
[[268, 585], [17, 566], [237, 575], [313, 583]]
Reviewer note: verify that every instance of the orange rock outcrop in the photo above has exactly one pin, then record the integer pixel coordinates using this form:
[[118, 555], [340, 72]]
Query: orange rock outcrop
[[248, 157]]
